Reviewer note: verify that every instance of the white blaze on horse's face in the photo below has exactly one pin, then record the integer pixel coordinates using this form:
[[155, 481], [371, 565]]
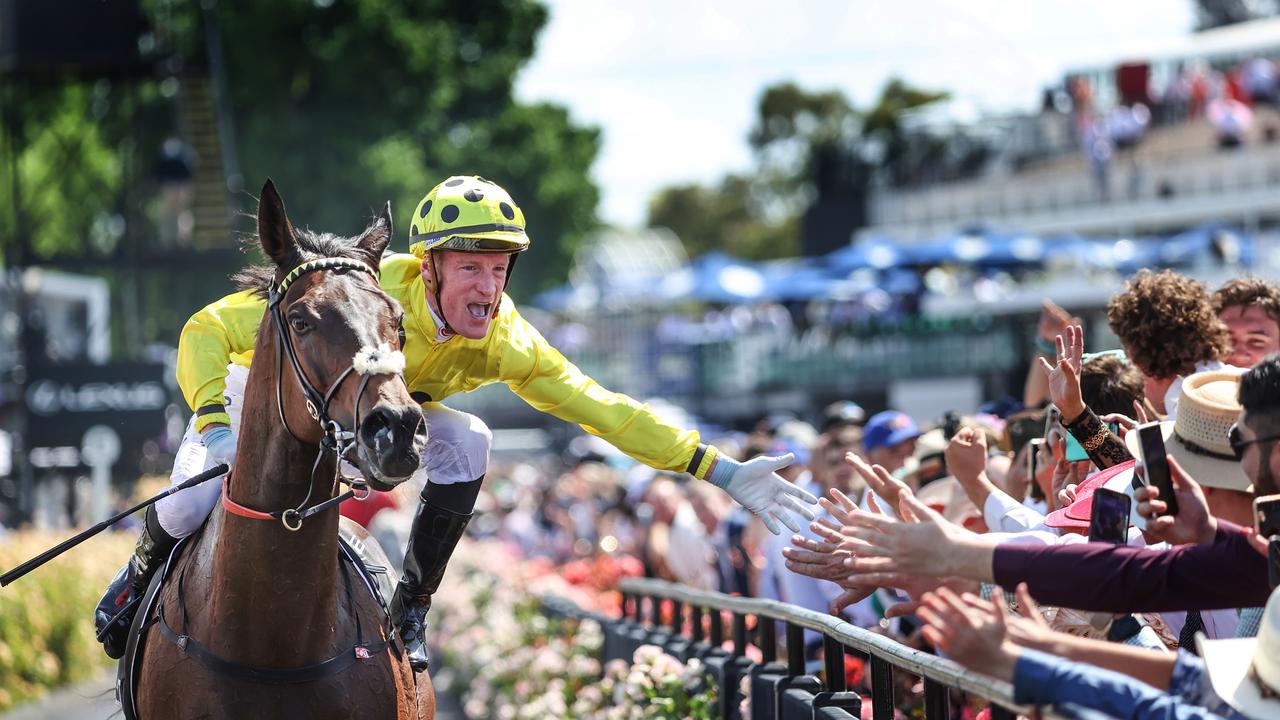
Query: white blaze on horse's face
[[374, 360], [380, 360]]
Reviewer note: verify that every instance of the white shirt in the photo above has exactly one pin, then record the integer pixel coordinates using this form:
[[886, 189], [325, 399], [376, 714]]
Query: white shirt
[[1004, 514], [1175, 388]]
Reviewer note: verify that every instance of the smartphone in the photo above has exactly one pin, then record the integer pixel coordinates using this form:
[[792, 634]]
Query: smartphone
[[1109, 518], [1155, 463], [1033, 451], [1266, 515], [1076, 452]]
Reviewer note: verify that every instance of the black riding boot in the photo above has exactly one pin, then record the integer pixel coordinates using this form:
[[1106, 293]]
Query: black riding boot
[[435, 534], [116, 609]]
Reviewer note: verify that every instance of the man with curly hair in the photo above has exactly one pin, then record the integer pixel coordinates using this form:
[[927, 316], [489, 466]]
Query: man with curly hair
[[1250, 308], [1168, 327]]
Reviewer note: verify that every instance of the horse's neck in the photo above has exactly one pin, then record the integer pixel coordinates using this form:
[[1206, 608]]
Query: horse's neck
[[275, 590]]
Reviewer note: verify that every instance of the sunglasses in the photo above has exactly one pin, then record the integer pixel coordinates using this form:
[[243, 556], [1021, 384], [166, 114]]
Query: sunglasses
[[1238, 443]]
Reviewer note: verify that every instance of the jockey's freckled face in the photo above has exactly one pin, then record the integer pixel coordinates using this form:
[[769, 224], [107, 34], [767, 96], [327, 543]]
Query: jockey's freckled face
[[471, 286]]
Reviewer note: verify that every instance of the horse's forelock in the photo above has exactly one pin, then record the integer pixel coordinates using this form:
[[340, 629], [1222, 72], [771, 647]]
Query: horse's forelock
[[259, 279]]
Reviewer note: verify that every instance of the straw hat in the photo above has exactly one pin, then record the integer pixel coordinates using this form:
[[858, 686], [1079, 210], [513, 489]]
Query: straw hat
[[1237, 666], [1197, 439]]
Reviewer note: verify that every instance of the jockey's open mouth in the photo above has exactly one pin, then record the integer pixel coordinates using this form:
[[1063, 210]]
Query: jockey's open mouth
[[479, 311]]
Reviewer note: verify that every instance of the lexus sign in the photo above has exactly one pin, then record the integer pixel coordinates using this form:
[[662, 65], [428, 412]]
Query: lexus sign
[[50, 397], [64, 401]]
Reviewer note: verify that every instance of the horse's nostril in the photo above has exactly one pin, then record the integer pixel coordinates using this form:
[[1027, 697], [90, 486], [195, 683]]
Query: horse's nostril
[[375, 431]]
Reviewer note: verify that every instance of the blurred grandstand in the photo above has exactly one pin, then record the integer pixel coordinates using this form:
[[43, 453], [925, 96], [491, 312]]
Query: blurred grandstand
[[1142, 161]]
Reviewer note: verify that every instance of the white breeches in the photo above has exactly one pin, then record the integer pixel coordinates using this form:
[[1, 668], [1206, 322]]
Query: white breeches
[[457, 451]]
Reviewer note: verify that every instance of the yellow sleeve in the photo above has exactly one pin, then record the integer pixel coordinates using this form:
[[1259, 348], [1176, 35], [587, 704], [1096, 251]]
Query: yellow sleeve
[[220, 333], [545, 379]]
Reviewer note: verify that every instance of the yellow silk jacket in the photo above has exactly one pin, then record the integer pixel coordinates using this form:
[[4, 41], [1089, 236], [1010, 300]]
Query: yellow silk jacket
[[512, 352]]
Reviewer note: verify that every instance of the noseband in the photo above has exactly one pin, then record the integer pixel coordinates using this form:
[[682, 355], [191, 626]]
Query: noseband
[[333, 437]]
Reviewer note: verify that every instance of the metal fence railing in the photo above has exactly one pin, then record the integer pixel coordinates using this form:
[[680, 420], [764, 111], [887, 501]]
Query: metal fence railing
[[695, 628]]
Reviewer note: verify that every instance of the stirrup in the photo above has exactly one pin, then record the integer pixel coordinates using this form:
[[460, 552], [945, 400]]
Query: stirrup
[[126, 611]]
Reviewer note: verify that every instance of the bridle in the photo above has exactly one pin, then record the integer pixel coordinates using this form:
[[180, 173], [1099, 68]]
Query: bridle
[[334, 438]]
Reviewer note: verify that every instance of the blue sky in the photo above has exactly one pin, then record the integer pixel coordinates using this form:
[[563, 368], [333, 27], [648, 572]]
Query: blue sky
[[673, 83]]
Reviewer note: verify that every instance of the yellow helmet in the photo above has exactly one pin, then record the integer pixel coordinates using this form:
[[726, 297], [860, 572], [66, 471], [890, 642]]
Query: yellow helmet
[[469, 214]]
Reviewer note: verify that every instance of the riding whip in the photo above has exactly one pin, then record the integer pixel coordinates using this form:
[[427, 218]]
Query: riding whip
[[54, 552]]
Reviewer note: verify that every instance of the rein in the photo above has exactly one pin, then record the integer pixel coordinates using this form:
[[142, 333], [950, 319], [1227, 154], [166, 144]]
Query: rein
[[333, 437]]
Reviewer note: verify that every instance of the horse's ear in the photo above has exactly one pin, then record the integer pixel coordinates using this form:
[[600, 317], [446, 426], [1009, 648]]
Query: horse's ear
[[377, 237], [275, 232]]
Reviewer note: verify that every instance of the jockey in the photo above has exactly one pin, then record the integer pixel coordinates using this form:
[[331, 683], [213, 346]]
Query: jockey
[[461, 332]]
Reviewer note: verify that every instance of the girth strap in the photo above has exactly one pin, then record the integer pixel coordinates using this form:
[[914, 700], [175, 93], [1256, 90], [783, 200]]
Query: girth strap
[[266, 675], [269, 675]]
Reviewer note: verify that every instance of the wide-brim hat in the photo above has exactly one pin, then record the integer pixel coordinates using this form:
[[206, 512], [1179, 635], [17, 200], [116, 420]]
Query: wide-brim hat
[[1236, 666], [1198, 438], [1076, 515]]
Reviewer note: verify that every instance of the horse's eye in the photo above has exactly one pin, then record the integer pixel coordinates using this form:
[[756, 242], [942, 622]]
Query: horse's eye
[[401, 335], [299, 325]]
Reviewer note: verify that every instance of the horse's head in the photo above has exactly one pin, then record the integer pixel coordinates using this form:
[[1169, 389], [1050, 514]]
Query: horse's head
[[338, 341]]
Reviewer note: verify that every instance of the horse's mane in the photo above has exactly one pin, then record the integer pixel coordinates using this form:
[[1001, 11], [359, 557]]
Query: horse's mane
[[311, 245]]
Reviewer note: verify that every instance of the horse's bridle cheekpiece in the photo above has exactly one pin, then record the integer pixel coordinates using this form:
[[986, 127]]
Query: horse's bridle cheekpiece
[[334, 438]]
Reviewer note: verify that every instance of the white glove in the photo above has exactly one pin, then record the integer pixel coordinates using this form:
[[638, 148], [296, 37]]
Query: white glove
[[756, 485], [220, 443]]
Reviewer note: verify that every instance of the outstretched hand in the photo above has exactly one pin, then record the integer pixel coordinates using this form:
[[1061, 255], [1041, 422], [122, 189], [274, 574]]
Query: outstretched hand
[[924, 543], [970, 631], [757, 486]]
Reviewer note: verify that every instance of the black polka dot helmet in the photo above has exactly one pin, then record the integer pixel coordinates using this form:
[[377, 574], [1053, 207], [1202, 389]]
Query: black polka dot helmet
[[469, 214]]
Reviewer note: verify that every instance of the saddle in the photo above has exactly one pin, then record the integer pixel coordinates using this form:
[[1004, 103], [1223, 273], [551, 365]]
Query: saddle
[[356, 547]]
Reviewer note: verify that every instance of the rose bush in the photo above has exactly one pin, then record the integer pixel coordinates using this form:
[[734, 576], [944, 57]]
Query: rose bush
[[509, 661]]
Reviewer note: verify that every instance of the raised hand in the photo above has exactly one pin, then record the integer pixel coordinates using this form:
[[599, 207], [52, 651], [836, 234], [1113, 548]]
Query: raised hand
[[1064, 374], [888, 487], [966, 454]]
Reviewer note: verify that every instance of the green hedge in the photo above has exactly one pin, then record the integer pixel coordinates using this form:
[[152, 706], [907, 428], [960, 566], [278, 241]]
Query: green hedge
[[46, 628]]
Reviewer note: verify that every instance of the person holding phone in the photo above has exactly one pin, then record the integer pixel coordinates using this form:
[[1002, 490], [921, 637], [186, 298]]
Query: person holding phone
[[1228, 568], [1199, 439]]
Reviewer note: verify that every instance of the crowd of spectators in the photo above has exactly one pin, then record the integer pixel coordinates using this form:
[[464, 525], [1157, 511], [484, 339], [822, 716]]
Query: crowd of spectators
[[967, 535], [1227, 99]]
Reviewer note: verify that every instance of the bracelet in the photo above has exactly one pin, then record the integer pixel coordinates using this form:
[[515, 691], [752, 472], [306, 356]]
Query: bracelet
[[1095, 441], [1045, 347]]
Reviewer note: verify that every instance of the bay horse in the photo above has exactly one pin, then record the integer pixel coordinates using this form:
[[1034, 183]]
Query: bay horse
[[261, 590]]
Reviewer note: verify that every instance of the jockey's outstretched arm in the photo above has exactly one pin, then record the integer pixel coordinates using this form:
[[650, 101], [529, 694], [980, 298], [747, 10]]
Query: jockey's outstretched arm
[[545, 379]]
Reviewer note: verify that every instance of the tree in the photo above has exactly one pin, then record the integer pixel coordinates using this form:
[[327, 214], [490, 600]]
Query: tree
[[381, 99], [727, 217], [812, 150], [344, 103]]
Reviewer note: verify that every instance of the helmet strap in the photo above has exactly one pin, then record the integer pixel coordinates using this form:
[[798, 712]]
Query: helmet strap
[[435, 280]]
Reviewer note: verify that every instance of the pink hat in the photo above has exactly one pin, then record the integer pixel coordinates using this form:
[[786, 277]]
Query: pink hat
[[1076, 515]]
